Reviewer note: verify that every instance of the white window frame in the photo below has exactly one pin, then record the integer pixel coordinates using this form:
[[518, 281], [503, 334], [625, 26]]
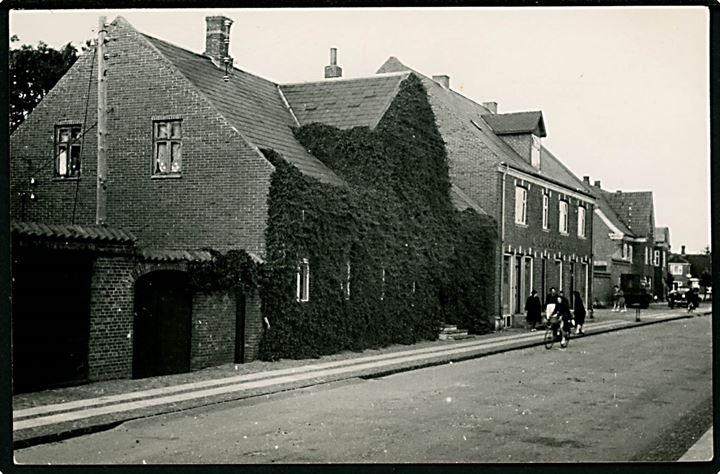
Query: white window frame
[[630, 252], [546, 212], [302, 291], [382, 286], [563, 211], [171, 142], [521, 205], [346, 286], [647, 256], [581, 222], [67, 151], [656, 258], [535, 150]]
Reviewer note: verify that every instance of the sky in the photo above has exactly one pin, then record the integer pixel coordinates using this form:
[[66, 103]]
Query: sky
[[624, 91]]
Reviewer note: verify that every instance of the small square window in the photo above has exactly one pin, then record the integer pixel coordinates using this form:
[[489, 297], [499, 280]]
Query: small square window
[[167, 147], [67, 151]]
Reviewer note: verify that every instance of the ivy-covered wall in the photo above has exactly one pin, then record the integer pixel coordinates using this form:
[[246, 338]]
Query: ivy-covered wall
[[415, 261]]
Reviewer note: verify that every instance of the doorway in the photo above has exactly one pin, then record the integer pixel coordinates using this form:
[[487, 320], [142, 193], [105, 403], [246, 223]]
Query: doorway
[[162, 324]]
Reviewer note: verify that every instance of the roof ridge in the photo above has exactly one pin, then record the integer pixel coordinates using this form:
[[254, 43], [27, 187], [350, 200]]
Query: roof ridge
[[346, 79]]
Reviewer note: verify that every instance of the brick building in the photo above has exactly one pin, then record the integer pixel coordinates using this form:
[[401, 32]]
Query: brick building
[[544, 213], [660, 257], [188, 139], [623, 241]]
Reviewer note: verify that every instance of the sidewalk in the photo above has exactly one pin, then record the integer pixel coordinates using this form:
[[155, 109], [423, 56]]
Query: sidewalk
[[57, 414]]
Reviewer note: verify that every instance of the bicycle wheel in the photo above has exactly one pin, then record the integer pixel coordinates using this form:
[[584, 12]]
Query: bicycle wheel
[[549, 338], [567, 341]]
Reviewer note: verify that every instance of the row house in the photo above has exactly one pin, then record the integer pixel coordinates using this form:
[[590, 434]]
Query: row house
[[195, 146], [623, 237], [544, 213], [660, 262]]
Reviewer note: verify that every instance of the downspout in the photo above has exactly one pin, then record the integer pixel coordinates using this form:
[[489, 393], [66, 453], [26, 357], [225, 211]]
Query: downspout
[[502, 238]]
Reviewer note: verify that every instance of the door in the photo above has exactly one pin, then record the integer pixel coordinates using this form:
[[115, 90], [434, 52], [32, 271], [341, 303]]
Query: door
[[506, 286], [50, 319], [517, 285], [162, 324]]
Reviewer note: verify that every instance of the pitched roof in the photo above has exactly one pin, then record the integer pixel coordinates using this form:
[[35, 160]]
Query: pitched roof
[[89, 233], [676, 258], [343, 103], [602, 204], [472, 116], [250, 104], [635, 209], [517, 122]]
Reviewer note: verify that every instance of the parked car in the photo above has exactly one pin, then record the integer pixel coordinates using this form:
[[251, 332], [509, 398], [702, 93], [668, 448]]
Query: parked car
[[636, 290], [679, 297]]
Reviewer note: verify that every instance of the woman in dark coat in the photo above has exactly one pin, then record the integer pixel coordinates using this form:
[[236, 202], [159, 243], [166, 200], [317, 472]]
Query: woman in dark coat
[[533, 310], [579, 311]]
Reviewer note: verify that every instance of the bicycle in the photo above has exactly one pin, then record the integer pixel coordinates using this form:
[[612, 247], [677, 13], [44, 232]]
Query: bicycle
[[554, 334]]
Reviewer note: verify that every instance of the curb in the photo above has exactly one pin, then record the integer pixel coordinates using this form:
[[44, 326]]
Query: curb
[[365, 374]]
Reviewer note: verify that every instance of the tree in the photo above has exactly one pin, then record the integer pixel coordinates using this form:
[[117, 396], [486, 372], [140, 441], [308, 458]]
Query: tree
[[33, 72]]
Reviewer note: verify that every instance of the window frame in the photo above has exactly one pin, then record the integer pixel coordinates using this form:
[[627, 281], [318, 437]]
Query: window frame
[[581, 224], [656, 258], [346, 281], [546, 212], [564, 229], [522, 218], [302, 290], [169, 141], [535, 152], [70, 145]]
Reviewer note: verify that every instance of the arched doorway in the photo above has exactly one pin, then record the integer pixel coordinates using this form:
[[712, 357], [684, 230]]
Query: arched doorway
[[162, 324]]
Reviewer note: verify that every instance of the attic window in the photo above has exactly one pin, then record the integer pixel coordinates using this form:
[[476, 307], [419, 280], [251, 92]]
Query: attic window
[[167, 147], [535, 152], [67, 151], [310, 107]]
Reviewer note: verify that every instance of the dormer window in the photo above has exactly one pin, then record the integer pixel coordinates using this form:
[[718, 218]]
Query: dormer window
[[535, 152]]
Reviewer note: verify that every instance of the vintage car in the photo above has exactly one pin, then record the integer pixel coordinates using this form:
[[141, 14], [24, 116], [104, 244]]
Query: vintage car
[[679, 297]]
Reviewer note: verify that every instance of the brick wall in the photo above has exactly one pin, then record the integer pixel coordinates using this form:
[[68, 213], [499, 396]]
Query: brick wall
[[111, 317], [213, 336], [221, 199], [253, 325]]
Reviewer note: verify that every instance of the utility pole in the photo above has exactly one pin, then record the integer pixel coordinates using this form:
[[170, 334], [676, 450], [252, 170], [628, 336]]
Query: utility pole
[[100, 209]]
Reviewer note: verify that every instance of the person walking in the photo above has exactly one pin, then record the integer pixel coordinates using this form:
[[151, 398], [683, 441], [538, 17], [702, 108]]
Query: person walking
[[533, 310], [579, 313], [616, 298], [621, 301]]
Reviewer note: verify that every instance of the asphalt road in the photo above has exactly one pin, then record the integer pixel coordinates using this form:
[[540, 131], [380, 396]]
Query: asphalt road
[[633, 395]]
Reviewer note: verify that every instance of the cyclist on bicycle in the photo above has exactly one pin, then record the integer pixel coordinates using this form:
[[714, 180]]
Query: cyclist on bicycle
[[563, 320]]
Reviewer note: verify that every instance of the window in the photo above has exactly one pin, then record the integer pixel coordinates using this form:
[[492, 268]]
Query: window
[[382, 287], [546, 212], [67, 150], [630, 252], [520, 205], [303, 281], [676, 268], [535, 152], [624, 251], [656, 258], [563, 217], [346, 281], [581, 222], [647, 256], [167, 146]]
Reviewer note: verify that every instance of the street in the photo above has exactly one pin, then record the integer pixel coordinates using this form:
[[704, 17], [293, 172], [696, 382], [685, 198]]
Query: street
[[640, 394]]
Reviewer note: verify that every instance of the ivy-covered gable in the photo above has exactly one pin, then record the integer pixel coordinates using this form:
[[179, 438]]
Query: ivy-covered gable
[[388, 257]]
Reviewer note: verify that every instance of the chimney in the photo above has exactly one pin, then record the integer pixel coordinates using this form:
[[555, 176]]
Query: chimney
[[491, 106], [597, 183], [586, 179], [682, 250], [217, 40], [443, 80], [333, 70]]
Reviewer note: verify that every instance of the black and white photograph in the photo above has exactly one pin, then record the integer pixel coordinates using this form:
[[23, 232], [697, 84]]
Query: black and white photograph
[[398, 235]]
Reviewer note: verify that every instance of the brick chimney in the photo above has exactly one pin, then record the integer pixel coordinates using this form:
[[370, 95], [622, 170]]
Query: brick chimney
[[443, 80], [333, 70], [597, 183], [682, 250], [217, 40], [491, 106], [586, 179]]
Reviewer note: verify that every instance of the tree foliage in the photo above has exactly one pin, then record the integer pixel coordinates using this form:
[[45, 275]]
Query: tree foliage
[[33, 72]]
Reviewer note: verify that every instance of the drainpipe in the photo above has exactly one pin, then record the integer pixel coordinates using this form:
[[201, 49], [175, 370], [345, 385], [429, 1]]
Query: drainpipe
[[502, 235]]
